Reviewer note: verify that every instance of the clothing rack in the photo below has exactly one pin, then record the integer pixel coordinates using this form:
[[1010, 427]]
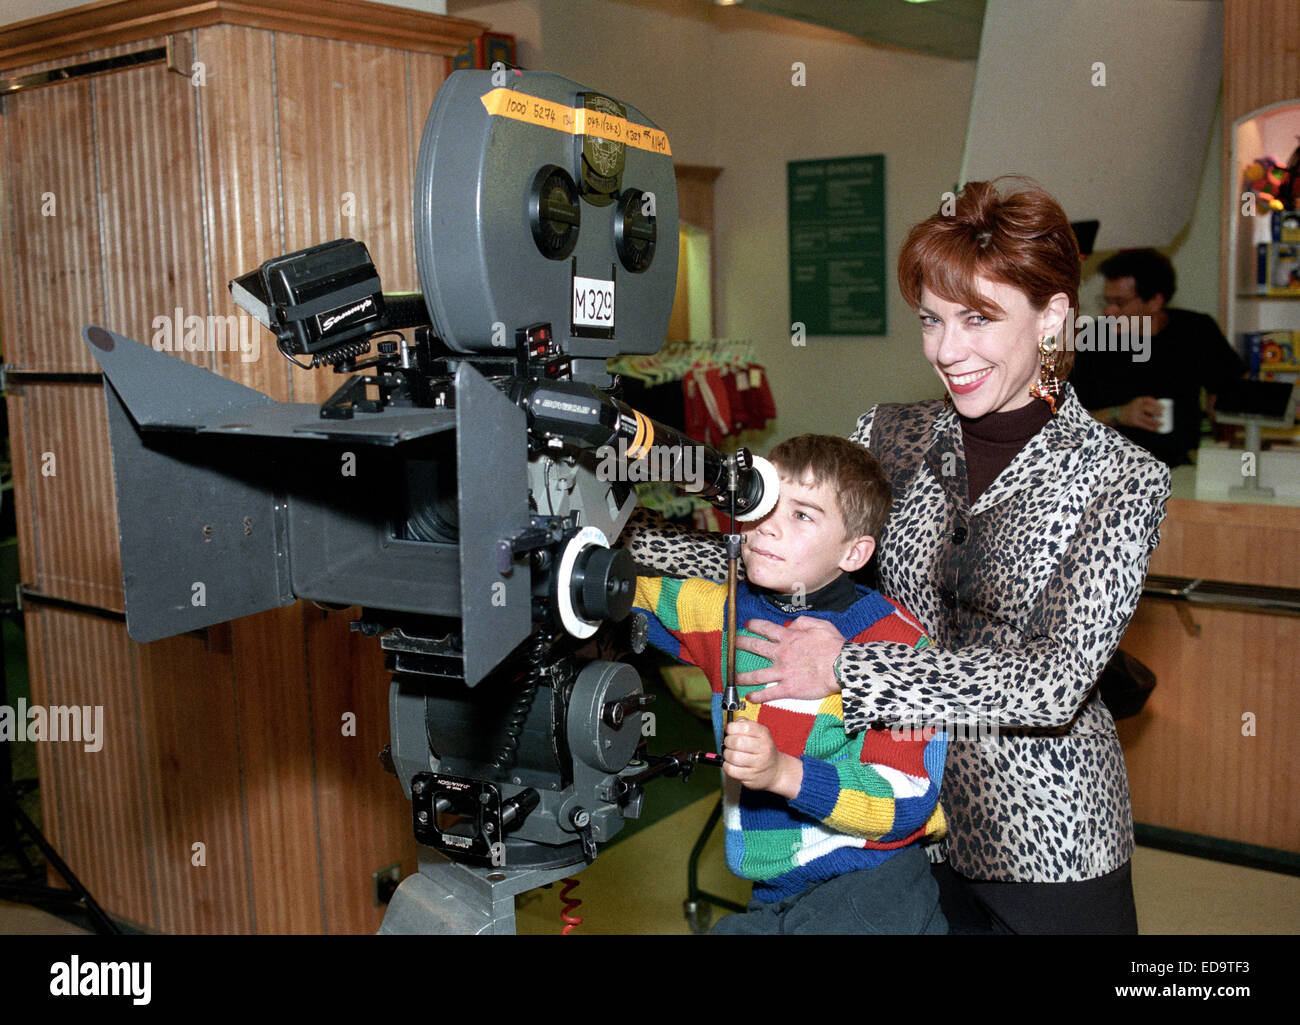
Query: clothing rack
[[712, 390], [676, 359], [724, 389]]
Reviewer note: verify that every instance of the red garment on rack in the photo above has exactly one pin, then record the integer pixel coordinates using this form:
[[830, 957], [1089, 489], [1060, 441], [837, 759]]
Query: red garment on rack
[[708, 410], [723, 400], [761, 395]]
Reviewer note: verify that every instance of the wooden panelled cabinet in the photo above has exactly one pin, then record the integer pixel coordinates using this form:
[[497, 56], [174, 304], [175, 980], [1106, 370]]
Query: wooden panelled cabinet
[[238, 786], [1211, 754]]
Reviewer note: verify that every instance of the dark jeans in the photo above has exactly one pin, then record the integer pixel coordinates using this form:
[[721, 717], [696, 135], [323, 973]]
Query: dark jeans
[[898, 896], [1094, 907]]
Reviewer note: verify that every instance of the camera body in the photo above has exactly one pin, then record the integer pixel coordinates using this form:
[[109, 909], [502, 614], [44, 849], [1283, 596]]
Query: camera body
[[451, 488]]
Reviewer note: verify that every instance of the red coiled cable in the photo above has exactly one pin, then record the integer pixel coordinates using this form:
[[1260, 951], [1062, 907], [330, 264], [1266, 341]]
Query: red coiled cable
[[570, 905]]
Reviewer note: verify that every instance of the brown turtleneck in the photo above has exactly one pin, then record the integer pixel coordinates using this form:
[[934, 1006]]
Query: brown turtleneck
[[992, 441]]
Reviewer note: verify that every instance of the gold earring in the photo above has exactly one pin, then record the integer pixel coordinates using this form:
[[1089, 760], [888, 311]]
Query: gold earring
[[1048, 387]]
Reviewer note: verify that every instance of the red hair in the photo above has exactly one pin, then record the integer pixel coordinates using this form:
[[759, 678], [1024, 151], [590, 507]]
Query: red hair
[[1022, 239]]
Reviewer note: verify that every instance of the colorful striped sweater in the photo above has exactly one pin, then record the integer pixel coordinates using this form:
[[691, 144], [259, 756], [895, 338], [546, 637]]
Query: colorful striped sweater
[[864, 797]]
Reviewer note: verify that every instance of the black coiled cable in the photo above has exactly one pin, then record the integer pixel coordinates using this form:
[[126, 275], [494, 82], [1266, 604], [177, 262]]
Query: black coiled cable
[[517, 715], [333, 357]]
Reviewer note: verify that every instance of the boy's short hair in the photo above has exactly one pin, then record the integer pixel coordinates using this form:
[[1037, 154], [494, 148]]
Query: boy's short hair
[[853, 473]]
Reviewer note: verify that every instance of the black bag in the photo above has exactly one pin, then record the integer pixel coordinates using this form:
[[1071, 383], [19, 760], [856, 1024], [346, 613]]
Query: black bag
[[1125, 685]]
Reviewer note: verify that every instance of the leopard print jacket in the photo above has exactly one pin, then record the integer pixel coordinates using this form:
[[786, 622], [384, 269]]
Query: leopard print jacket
[[1026, 595]]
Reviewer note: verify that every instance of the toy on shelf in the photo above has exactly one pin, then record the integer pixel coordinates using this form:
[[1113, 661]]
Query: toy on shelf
[[1272, 355], [1267, 179], [1284, 226]]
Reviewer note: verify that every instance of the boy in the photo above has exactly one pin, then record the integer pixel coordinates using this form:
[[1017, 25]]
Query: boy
[[828, 826]]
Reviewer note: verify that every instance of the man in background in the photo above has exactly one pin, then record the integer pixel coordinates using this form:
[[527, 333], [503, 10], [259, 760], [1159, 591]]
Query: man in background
[[1154, 402]]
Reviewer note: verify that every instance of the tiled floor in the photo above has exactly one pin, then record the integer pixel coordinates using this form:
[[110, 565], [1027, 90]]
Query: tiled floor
[[637, 887]]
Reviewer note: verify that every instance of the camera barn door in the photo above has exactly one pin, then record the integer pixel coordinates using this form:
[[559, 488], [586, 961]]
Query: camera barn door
[[492, 496]]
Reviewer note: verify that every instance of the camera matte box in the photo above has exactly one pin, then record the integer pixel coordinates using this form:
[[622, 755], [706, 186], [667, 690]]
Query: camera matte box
[[219, 486]]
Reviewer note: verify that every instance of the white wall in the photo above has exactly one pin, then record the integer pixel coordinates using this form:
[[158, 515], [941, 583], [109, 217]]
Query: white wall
[[519, 18], [1195, 251], [1070, 94], [859, 99]]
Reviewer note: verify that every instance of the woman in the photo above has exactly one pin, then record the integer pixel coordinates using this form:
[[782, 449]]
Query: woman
[[1020, 536]]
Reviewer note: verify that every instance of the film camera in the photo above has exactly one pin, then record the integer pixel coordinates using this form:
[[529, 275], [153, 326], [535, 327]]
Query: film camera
[[450, 487]]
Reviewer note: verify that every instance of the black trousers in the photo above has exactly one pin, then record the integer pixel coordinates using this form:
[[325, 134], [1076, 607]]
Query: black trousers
[[1094, 907], [897, 897]]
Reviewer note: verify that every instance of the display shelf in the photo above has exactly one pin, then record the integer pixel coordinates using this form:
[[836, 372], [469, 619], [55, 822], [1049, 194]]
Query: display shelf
[[1273, 131]]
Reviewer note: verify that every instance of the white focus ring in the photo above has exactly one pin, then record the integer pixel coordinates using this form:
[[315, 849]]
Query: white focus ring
[[569, 618], [771, 489]]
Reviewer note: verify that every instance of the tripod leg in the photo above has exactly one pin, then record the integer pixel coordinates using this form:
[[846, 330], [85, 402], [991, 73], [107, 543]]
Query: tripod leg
[[76, 892]]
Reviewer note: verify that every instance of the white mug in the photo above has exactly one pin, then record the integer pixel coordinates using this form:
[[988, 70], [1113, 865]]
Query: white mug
[[1166, 416]]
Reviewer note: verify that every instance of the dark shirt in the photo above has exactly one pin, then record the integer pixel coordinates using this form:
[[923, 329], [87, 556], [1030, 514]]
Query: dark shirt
[[992, 441], [837, 596], [1188, 355]]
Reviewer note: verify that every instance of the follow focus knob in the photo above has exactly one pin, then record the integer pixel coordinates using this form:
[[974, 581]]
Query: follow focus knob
[[604, 583]]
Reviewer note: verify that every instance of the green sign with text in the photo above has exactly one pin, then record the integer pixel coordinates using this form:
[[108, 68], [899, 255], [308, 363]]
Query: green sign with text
[[837, 245]]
